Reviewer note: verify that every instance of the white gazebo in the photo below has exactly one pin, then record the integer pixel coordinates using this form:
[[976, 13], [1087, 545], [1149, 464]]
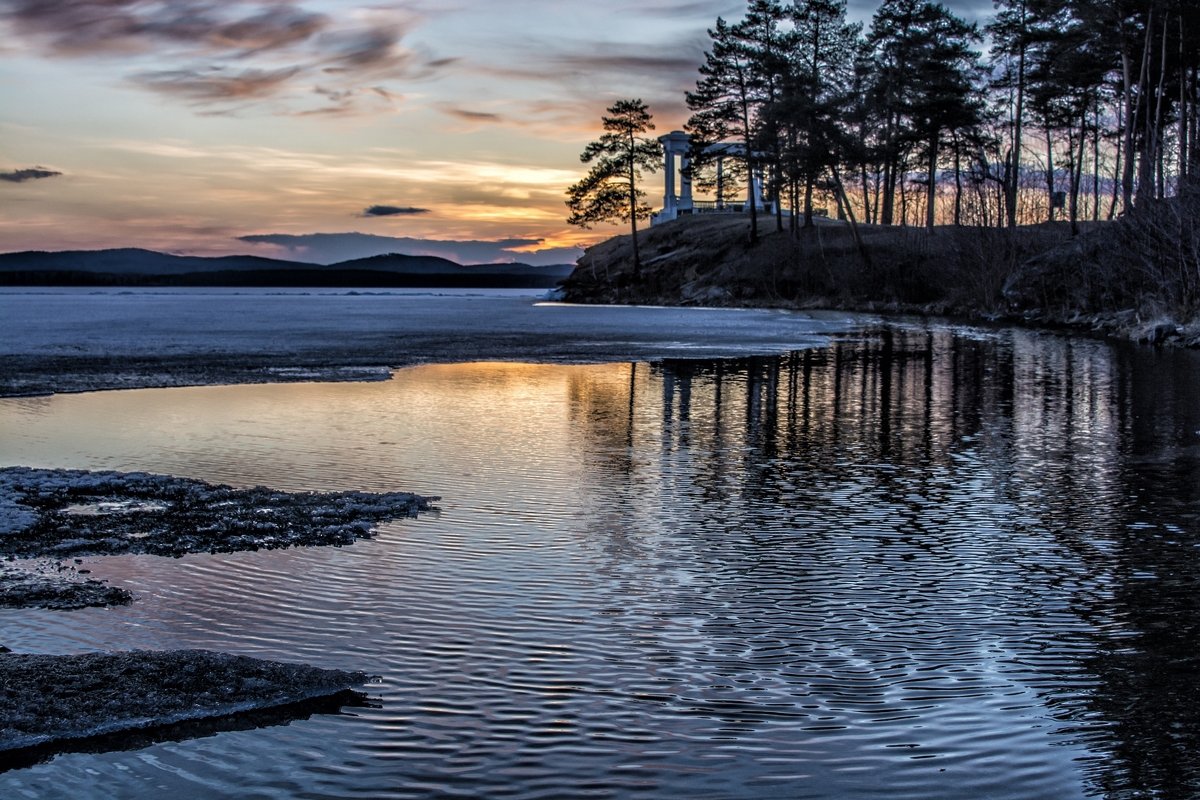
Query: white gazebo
[[676, 148]]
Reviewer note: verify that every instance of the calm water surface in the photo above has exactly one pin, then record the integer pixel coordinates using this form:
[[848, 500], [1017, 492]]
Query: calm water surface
[[924, 562]]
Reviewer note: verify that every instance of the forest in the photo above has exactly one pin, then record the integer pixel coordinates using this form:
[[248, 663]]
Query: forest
[[1053, 110]]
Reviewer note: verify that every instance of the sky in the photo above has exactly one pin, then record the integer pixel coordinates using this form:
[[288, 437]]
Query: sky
[[209, 127]]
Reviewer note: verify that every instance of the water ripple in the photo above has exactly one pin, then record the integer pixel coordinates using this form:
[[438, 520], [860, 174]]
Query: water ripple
[[909, 565]]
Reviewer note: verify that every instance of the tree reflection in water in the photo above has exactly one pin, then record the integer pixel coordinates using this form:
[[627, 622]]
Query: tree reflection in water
[[1023, 507]]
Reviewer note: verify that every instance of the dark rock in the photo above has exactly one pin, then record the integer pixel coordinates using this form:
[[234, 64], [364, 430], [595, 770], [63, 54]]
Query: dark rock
[[65, 513], [71, 699]]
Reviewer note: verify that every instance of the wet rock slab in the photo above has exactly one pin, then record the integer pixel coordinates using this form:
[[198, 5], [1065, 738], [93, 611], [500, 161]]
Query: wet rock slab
[[46, 583], [63, 514], [64, 702]]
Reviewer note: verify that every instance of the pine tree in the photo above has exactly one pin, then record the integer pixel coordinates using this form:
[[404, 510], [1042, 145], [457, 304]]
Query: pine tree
[[1010, 32], [726, 110], [1068, 64], [609, 192], [925, 73], [818, 93], [767, 48]]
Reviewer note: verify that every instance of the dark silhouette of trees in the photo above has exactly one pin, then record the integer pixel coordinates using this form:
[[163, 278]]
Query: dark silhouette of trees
[[925, 88], [1095, 101], [609, 192], [727, 109], [1010, 31], [817, 90]]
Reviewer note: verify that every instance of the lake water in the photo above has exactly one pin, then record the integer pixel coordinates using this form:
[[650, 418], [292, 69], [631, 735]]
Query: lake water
[[924, 561]]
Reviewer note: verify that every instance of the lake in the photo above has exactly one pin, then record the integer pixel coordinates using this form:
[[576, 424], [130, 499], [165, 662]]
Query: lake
[[921, 560]]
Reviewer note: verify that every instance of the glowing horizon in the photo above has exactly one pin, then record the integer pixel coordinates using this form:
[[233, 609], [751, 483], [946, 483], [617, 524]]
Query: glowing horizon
[[184, 125]]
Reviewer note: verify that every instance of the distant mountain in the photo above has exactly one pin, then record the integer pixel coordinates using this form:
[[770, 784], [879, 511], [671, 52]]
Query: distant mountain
[[134, 267], [132, 261], [408, 265]]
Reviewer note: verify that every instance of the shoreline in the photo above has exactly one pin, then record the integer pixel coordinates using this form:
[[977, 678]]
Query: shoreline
[[1037, 277], [77, 343], [51, 516]]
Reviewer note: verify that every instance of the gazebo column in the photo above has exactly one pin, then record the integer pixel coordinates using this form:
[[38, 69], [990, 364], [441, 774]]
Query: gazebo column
[[669, 180], [675, 143], [685, 182]]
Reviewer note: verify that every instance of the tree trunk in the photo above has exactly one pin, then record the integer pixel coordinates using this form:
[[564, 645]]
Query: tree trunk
[[1117, 183], [866, 193], [889, 175], [1014, 177], [637, 261], [1157, 139], [887, 212], [748, 156], [862, 248], [1096, 161], [1194, 124], [1126, 151], [931, 190], [1145, 165], [808, 195], [794, 204], [1183, 110], [778, 192], [1077, 172], [957, 181], [1050, 173]]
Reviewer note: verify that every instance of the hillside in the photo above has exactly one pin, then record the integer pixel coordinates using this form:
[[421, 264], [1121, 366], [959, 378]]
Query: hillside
[[1038, 274], [130, 261], [134, 267]]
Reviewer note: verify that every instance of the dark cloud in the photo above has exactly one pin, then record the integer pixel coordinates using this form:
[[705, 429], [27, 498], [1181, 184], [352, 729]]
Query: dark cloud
[[215, 84], [471, 116], [274, 28], [605, 61], [701, 10], [223, 51], [79, 27], [369, 48], [637, 63], [392, 211], [582, 71], [28, 174], [329, 248]]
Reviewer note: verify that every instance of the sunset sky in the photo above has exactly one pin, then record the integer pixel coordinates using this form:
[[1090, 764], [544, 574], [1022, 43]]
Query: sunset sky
[[182, 125]]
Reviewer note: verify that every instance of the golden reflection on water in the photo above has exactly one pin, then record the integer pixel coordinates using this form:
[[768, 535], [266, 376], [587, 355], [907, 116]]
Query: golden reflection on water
[[318, 435]]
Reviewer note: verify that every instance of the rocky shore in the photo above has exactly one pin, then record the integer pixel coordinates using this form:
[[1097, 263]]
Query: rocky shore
[[48, 516], [105, 701], [1038, 275]]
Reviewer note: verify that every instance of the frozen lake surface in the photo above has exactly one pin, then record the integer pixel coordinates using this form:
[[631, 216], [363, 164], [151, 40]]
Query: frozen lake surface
[[82, 339], [918, 561]]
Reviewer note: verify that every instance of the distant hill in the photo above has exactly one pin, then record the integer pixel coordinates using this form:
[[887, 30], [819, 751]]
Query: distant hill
[[135, 267], [131, 261]]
